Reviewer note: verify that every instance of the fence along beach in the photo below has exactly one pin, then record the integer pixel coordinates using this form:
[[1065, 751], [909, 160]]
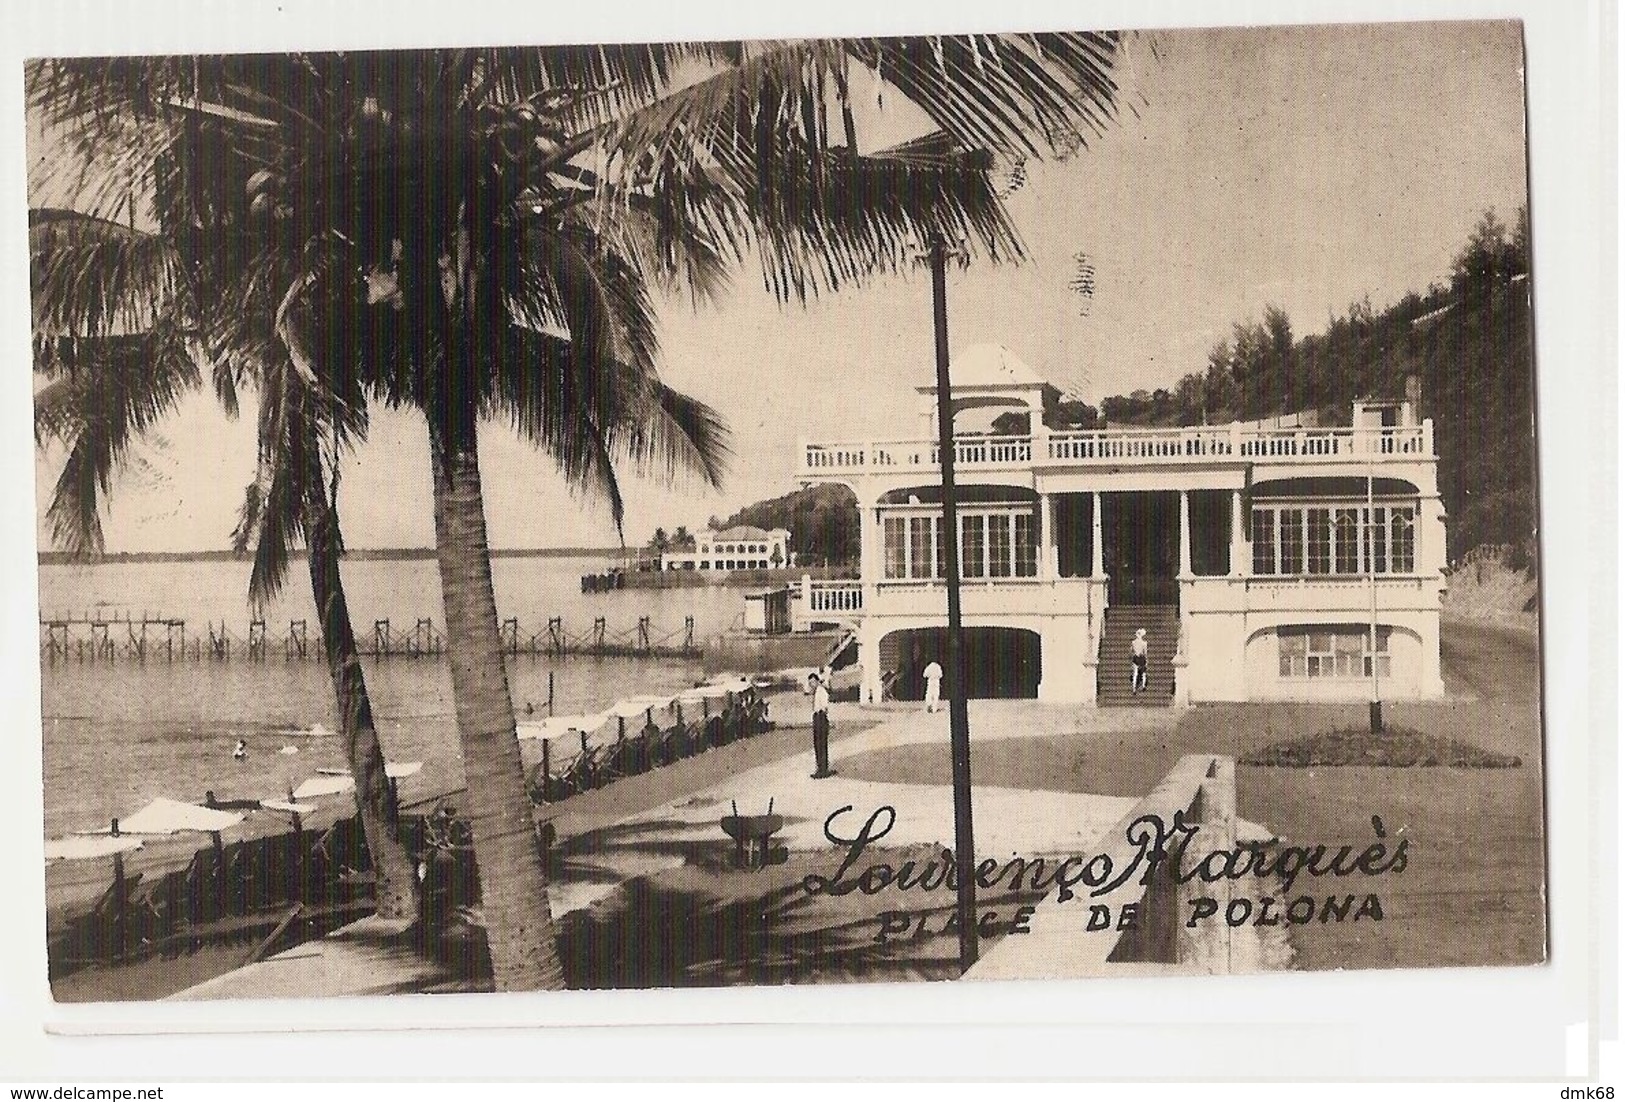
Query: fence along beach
[[293, 884]]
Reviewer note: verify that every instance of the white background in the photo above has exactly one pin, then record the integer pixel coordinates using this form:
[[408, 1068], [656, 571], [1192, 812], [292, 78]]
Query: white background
[[1453, 1024]]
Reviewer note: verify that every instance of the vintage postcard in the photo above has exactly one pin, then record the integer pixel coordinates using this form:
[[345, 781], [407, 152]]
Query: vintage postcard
[[1009, 506]]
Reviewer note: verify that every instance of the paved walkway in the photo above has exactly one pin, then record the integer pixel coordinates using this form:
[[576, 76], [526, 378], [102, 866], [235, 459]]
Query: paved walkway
[[1009, 821]]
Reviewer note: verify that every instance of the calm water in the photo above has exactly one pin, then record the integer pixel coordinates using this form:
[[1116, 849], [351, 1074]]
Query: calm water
[[117, 735]]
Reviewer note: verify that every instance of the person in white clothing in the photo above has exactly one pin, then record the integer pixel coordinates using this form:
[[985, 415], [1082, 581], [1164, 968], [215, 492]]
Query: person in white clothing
[[818, 684], [933, 685], [1138, 651]]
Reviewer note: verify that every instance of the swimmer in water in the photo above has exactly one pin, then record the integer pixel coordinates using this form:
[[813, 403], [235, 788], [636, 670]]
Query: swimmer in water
[[240, 751]]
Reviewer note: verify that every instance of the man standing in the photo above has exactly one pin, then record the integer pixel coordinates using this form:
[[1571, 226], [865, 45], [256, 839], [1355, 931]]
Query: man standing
[[1138, 653], [819, 683], [933, 685]]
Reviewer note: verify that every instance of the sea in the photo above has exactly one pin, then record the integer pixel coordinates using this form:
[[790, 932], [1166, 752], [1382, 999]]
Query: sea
[[119, 734]]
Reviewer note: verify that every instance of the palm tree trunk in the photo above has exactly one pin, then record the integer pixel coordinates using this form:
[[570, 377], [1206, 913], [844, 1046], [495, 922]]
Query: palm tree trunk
[[396, 890], [512, 866]]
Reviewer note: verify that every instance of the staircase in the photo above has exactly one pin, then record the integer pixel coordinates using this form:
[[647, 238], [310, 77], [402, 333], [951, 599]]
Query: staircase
[[1161, 624]]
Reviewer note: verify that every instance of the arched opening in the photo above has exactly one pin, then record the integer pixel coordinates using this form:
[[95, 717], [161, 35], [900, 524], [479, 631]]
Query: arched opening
[[1000, 663]]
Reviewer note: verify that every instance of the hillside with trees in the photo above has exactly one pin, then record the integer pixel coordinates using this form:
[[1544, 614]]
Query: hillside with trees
[[822, 522], [1469, 341]]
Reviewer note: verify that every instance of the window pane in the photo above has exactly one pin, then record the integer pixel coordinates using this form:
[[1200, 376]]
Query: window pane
[[1347, 537], [1404, 541], [896, 548], [1320, 541], [998, 546], [919, 547], [1026, 548], [972, 546], [941, 554], [1377, 533], [1263, 541], [1292, 541]]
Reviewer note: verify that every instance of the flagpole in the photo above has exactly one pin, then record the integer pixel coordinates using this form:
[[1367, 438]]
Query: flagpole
[[958, 711]]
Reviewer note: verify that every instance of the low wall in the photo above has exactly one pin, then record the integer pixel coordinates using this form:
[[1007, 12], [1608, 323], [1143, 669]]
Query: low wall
[[1202, 789]]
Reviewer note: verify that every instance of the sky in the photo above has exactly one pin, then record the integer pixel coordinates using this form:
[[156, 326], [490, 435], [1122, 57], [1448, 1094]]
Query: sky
[[1308, 168]]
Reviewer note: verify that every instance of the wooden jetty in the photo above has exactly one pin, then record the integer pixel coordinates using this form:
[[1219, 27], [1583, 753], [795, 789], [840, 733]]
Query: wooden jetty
[[155, 639]]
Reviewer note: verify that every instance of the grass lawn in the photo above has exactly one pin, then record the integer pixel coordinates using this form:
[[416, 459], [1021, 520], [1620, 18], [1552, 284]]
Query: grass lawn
[[1473, 891]]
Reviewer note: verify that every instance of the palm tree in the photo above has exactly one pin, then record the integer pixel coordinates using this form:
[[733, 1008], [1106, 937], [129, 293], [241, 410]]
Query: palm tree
[[102, 391], [484, 195]]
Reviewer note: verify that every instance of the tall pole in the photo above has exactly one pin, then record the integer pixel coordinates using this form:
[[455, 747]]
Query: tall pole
[[958, 712], [1371, 569]]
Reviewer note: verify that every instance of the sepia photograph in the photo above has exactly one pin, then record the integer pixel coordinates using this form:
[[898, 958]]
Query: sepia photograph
[[1031, 506]]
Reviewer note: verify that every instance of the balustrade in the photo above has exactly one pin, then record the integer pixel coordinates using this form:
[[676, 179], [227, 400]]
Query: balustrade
[[1117, 445]]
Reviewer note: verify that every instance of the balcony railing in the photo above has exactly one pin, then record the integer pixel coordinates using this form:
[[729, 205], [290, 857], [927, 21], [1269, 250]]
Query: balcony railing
[[1186, 445], [971, 451], [835, 597]]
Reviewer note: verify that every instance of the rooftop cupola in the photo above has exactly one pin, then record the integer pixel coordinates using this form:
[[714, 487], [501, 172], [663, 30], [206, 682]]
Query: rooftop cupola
[[986, 376]]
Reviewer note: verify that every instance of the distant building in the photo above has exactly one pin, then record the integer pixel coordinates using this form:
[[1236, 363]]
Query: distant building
[[1255, 556], [741, 547]]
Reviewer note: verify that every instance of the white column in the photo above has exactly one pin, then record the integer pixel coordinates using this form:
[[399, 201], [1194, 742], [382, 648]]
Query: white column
[[1241, 563], [870, 549], [1097, 552], [1046, 538], [869, 657], [1185, 534]]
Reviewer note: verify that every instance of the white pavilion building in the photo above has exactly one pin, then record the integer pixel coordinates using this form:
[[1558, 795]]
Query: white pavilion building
[[1256, 558]]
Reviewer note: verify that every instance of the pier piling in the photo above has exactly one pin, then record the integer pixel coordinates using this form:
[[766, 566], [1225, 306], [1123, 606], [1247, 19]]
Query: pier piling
[[95, 639]]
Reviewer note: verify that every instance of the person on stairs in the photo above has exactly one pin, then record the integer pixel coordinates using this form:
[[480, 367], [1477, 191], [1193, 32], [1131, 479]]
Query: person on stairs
[[1138, 652]]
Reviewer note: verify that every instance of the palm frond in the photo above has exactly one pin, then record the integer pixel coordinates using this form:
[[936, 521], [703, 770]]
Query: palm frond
[[95, 278], [106, 394]]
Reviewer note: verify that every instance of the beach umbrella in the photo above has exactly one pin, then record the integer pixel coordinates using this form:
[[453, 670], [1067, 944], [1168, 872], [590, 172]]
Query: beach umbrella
[[635, 706], [83, 847], [166, 816], [556, 726], [290, 807], [324, 784]]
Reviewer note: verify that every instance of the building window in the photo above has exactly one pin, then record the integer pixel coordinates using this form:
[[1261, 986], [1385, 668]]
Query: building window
[[998, 546], [973, 546], [1291, 559], [1346, 537], [1403, 546], [1263, 541], [896, 547], [1335, 541], [1320, 541], [919, 546], [1332, 651], [1026, 547]]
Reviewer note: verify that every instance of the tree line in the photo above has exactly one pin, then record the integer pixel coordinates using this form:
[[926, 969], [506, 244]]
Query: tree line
[[1469, 340]]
